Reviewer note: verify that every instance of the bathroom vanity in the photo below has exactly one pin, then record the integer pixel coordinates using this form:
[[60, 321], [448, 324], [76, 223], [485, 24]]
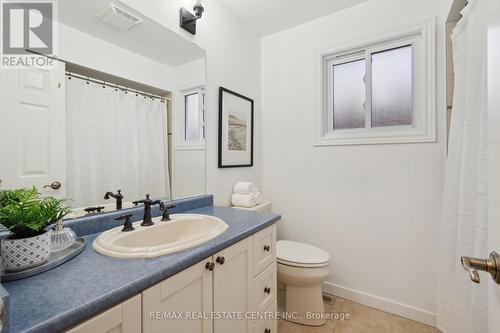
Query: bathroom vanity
[[239, 280], [233, 274]]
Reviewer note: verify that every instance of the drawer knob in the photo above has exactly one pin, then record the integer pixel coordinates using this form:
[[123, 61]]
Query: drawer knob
[[267, 248], [267, 290], [210, 266], [267, 330], [220, 260]]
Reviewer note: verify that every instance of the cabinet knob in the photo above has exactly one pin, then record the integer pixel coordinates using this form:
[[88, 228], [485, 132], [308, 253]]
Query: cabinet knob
[[267, 330], [220, 260], [267, 290], [267, 248], [210, 266]]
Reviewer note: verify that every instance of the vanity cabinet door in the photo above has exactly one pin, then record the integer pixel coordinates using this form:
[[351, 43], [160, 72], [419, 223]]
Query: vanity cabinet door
[[179, 303], [233, 287], [122, 318], [268, 322]]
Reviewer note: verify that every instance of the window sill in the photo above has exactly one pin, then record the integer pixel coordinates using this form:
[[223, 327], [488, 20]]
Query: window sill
[[411, 136], [188, 146]]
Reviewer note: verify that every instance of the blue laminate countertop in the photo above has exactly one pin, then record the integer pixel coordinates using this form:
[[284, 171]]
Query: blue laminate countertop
[[90, 283]]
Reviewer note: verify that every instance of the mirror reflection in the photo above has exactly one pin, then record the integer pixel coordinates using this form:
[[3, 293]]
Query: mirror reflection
[[116, 120]]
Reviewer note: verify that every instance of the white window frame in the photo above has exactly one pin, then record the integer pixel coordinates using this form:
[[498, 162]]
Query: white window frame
[[180, 142], [421, 37]]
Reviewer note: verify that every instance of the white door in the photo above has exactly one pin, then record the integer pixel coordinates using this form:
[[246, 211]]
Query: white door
[[233, 287], [186, 293], [494, 155], [32, 129]]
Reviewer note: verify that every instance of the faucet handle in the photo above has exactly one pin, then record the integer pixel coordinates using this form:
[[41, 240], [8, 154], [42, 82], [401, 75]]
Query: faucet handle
[[127, 226], [166, 213], [90, 210]]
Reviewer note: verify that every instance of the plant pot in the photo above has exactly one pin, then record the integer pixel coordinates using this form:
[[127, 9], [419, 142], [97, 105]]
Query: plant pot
[[24, 253]]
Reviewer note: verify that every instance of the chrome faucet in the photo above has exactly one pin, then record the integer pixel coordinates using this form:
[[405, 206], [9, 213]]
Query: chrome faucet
[[118, 196]]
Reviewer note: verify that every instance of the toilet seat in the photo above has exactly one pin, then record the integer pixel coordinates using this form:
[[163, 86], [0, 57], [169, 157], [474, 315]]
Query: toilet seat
[[298, 254], [301, 265]]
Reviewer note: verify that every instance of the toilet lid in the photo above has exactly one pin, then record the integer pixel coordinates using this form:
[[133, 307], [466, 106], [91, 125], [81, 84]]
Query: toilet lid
[[300, 253]]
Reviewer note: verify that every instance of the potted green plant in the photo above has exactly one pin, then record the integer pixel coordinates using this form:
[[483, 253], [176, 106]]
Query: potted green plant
[[27, 216]]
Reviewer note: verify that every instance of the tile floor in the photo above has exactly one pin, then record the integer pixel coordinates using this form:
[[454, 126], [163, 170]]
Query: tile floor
[[363, 320]]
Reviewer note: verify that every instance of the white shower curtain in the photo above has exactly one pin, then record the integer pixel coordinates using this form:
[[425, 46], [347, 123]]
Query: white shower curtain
[[461, 304], [114, 140]]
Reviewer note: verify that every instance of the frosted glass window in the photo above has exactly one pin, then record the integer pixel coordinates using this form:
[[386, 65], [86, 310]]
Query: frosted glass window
[[392, 97], [193, 129], [349, 95]]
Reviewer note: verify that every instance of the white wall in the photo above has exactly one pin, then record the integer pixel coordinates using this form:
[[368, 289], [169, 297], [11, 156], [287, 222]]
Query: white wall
[[188, 165], [86, 50], [374, 208], [233, 61]]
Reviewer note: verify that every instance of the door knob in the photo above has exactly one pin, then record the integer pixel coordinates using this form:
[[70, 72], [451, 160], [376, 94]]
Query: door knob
[[210, 266], [490, 265], [55, 185]]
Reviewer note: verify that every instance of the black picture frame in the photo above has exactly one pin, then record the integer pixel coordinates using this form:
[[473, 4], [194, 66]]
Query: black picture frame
[[221, 164]]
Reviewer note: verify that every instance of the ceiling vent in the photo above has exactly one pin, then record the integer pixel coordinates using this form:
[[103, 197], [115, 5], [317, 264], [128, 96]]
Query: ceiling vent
[[119, 18]]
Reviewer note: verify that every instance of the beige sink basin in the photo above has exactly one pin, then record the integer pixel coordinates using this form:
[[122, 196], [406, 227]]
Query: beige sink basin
[[183, 231]]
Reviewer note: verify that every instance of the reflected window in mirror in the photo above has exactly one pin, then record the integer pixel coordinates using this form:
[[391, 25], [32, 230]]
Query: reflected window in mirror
[[193, 124], [192, 118]]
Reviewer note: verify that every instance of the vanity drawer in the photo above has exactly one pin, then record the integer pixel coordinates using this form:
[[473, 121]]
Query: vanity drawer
[[269, 323], [264, 247], [265, 288]]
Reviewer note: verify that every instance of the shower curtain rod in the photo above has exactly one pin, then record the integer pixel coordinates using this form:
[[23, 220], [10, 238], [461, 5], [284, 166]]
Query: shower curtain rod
[[116, 86], [109, 84]]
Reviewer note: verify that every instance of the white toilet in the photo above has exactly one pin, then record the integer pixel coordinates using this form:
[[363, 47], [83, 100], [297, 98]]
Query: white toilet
[[301, 269]]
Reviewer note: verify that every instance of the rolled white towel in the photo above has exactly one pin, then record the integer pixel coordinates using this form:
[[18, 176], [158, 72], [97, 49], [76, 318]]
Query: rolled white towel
[[246, 200], [244, 188]]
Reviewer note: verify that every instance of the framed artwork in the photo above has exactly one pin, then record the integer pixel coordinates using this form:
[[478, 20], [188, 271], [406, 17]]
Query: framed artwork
[[235, 129]]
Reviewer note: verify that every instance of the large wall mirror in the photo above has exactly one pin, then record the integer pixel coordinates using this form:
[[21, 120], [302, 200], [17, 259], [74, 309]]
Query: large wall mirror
[[123, 110]]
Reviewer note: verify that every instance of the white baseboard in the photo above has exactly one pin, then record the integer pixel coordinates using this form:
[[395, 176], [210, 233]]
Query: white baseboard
[[387, 305]]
